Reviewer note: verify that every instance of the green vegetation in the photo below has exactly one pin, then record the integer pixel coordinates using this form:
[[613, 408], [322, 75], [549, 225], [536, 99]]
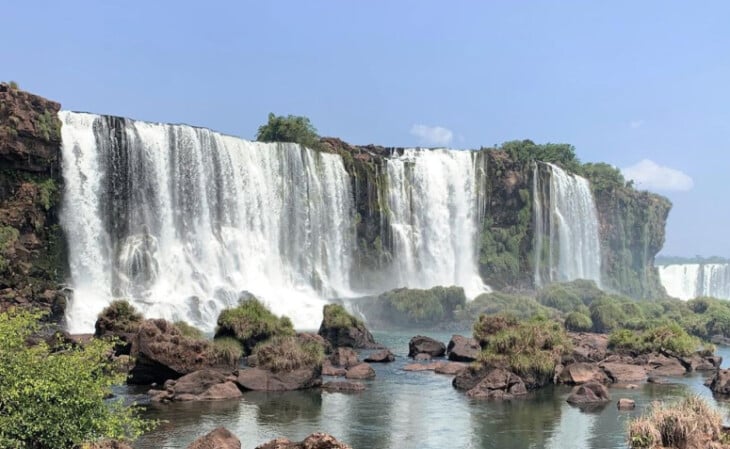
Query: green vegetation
[[13, 85], [190, 331], [8, 236], [57, 400], [421, 307], [250, 323], [228, 351], [527, 151], [287, 353], [118, 317], [335, 316], [529, 348], [49, 126], [518, 306], [670, 337], [689, 423], [603, 177], [578, 322], [290, 128]]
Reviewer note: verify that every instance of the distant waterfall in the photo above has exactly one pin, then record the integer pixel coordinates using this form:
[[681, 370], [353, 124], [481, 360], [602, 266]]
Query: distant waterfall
[[687, 281], [182, 220], [567, 245], [433, 199]]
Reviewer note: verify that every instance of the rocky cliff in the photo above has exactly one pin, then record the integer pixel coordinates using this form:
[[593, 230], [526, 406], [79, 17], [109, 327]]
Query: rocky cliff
[[32, 257]]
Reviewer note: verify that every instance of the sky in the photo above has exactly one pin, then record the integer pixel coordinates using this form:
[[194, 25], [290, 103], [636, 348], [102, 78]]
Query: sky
[[640, 85]]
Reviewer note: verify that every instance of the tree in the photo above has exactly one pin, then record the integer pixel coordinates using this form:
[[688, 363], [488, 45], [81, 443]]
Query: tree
[[292, 128], [56, 398]]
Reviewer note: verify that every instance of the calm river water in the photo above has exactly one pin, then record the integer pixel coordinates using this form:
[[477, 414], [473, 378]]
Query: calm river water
[[420, 410]]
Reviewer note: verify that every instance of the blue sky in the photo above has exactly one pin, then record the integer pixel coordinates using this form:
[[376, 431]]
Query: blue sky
[[623, 81]]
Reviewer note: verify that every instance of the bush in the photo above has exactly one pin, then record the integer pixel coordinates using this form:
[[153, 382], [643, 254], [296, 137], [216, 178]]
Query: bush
[[118, 317], [336, 316], [530, 348], [189, 330], [287, 353], [58, 400], [227, 350], [670, 337], [607, 314], [518, 306], [408, 306], [489, 325], [251, 323], [291, 128], [578, 322], [690, 423]]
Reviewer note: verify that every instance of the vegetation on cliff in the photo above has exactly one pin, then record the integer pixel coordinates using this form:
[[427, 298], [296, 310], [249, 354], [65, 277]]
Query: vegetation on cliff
[[58, 399], [251, 323], [288, 353], [290, 128]]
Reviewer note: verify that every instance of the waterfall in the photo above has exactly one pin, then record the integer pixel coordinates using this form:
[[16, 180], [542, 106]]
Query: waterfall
[[433, 199], [183, 220], [565, 214], [687, 281]]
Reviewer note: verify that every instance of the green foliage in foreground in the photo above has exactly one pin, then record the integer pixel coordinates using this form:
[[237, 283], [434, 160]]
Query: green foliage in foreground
[[670, 337], [422, 307], [57, 400], [518, 306], [287, 353], [335, 316], [228, 351], [578, 322], [290, 128], [527, 348], [251, 322]]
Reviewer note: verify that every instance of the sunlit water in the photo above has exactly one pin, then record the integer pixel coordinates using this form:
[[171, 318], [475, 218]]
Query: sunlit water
[[403, 409]]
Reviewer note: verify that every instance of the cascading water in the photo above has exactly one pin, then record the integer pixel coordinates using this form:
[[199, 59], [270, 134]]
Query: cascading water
[[433, 198], [181, 220], [565, 214], [687, 281]]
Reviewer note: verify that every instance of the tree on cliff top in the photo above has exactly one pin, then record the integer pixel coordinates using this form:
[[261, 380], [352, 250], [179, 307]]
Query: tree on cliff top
[[290, 128]]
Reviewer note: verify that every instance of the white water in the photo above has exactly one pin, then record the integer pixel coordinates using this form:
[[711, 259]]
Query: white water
[[687, 281], [432, 198], [181, 220], [573, 230]]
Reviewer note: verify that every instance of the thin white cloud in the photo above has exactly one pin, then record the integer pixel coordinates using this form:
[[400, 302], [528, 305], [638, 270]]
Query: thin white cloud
[[648, 174], [432, 135], [636, 124]]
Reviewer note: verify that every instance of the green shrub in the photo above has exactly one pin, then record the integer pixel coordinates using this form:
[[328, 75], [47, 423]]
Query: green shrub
[[13, 85], [57, 400], [335, 315], [670, 337], [488, 325], [118, 317], [289, 128], [227, 350], [578, 322], [8, 236], [408, 306], [250, 323], [189, 330], [287, 353], [607, 314], [531, 348], [519, 306], [560, 297]]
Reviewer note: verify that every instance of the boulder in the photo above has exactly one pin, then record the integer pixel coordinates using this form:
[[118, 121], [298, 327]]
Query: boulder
[[580, 373], [220, 438], [422, 357], [202, 385], [425, 345], [589, 393], [662, 365], [698, 362], [161, 352], [119, 320], [463, 349], [264, 380], [383, 356], [340, 329], [623, 372], [313, 441], [626, 404], [470, 377], [498, 384], [329, 370], [419, 367], [361, 371], [343, 386], [450, 368], [720, 382], [344, 357]]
